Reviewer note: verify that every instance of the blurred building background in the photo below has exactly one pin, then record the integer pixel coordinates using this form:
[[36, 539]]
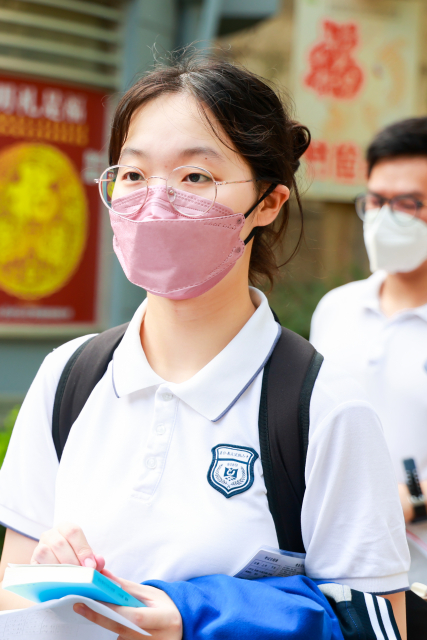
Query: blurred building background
[[352, 66]]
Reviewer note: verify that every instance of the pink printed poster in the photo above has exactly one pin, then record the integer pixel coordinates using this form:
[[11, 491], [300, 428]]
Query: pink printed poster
[[355, 70]]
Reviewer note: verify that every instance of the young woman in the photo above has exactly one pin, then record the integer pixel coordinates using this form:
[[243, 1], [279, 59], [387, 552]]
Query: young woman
[[203, 158]]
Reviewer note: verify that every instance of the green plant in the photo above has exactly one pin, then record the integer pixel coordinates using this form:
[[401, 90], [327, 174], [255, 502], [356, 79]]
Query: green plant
[[5, 433], [295, 301]]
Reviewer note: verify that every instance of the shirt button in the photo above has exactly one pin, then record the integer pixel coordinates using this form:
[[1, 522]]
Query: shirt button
[[167, 396], [151, 463], [160, 429]]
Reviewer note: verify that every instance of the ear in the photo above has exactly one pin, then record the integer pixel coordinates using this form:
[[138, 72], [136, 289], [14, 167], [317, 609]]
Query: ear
[[268, 209]]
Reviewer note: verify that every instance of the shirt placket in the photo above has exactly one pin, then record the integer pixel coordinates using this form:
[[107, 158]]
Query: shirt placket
[[381, 344], [156, 450]]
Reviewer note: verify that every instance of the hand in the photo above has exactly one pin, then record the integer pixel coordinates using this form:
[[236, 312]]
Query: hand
[[161, 618], [66, 544]]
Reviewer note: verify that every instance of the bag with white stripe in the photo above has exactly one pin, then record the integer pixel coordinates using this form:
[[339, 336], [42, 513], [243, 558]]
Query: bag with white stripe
[[362, 616]]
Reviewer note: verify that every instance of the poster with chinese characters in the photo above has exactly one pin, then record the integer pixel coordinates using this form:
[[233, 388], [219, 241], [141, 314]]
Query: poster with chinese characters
[[355, 66], [51, 139]]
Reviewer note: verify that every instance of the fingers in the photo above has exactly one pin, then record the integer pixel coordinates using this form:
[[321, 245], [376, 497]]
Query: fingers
[[79, 545], [160, 618], [66, 544], [43, 555], [144, 593], [53, 548], [110, 575], [106, 623], [161, 612]]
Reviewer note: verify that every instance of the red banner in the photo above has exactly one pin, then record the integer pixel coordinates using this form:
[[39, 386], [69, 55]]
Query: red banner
[[51, 139]]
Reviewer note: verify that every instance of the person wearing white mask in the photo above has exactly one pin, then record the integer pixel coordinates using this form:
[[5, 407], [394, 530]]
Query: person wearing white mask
[[377, 328]]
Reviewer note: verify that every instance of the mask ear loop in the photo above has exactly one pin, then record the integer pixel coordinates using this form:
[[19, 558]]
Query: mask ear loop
[[270, 189]]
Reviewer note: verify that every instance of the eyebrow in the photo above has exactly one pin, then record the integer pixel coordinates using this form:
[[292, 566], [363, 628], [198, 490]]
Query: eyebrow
[[411, 194], [207, 152], [202, 151], [128, 151]]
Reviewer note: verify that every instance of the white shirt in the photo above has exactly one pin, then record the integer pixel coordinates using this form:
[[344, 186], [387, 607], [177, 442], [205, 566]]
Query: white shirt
[[134, 472], [388, 356]]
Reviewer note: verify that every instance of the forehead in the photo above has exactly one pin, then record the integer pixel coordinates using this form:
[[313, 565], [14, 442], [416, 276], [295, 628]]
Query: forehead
[[173, 122], [399, 176]]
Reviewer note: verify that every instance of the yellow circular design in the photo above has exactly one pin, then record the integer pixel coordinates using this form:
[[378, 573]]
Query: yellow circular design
[[43, 220]]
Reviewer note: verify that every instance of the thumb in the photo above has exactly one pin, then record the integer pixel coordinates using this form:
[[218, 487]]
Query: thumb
[[110, 575], [143, 592]]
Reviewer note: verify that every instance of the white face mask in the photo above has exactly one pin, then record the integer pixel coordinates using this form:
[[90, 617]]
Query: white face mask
[[396, 247]]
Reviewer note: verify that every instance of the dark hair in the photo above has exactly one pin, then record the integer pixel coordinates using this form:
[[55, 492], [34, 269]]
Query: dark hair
[[403, 138], [251, 115]]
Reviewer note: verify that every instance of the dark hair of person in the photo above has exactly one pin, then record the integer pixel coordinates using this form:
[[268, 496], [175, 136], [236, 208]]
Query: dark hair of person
[[404, 138], [253, 117]]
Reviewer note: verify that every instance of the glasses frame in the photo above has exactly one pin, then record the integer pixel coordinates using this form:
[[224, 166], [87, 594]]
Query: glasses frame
[[382, 201], [217, 183]]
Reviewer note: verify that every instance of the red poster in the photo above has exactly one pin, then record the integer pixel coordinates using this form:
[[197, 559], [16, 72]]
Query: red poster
[[333, 69], [51, 138]]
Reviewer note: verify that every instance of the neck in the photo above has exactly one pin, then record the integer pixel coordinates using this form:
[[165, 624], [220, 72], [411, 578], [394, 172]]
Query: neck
[[404, 290], [180, 337]]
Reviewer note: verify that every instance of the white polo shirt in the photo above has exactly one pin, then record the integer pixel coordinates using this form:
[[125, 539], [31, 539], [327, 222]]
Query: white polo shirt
[[388, 356], [141, 472]]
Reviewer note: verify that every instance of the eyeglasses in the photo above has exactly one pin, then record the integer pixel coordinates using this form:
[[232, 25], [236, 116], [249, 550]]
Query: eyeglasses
[[405, 209], [119, 182]]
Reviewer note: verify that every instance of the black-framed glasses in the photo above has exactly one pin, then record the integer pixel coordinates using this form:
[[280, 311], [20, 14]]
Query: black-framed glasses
[[405, 208], [124, 188]]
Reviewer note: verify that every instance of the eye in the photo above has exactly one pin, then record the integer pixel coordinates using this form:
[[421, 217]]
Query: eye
[[373, 201], [132, 176], [197, 178], [407, 205]]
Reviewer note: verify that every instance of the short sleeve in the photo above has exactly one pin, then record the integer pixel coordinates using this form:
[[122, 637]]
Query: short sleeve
[[352, 521], [322, 316], [315, 325], [28, 473]]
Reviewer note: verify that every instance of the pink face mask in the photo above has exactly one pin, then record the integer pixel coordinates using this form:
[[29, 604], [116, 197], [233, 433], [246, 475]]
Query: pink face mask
[[172, 255]]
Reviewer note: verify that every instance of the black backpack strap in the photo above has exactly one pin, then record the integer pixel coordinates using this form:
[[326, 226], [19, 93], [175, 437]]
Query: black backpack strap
[[284, 420], [80, 376]]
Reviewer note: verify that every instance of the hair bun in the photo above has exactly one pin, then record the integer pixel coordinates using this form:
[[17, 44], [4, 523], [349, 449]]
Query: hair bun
[[302, 139]]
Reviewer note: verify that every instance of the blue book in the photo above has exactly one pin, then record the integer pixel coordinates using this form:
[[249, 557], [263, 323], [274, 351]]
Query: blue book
[[43, 582]]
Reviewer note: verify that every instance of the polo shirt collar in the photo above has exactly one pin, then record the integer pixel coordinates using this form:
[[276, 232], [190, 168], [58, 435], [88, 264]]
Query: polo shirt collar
[[216, 387], [371, 298]]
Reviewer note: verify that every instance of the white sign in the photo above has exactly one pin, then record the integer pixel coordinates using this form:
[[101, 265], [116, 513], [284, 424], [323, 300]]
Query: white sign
[[355, 69]]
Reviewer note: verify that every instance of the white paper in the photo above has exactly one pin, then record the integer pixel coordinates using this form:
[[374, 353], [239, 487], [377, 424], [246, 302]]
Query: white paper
[[56, 620], [269, 562]]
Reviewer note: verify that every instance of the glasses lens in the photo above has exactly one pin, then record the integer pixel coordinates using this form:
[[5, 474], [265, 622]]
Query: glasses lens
[[368, 206], [360, 204], [405, 210], [186, 182], [123, 189]]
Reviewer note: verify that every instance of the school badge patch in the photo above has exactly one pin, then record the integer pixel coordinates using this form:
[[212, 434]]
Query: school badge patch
[[232, 469]]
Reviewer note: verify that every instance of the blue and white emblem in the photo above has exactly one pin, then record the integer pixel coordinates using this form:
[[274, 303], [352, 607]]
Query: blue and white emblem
[[232, 469]]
